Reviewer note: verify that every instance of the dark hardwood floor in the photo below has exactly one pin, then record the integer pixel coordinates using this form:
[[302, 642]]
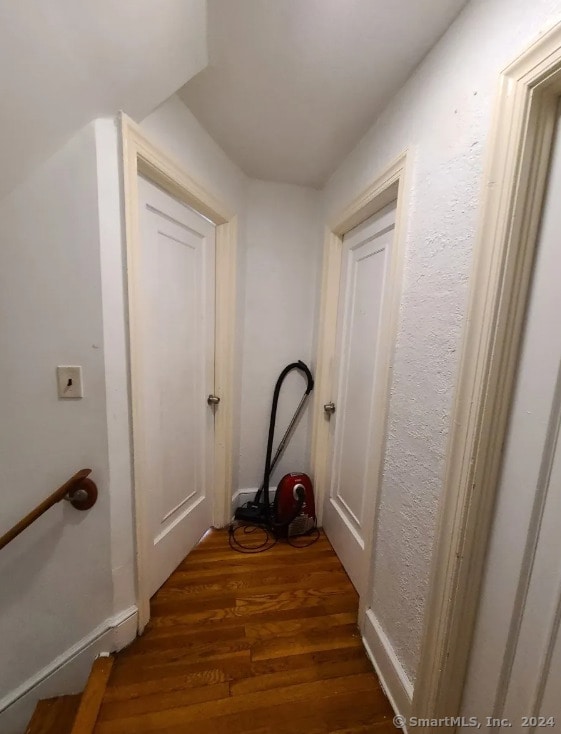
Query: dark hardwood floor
[[249, 644]]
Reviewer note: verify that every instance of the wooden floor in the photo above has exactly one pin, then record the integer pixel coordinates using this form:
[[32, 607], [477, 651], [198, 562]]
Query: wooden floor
[[252, 644]]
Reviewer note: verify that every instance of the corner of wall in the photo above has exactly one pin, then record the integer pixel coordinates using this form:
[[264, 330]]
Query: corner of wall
[[115, 339]]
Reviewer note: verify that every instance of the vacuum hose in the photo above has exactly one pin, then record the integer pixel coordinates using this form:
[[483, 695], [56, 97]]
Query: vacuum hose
[[268, 459]]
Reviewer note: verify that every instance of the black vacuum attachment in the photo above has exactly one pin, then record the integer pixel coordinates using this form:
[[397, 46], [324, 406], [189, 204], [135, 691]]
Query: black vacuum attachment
[[258, 512]]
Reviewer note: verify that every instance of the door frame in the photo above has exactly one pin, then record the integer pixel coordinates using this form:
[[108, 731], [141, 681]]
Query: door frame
[[141, 156], [513, 188], [390, 185]]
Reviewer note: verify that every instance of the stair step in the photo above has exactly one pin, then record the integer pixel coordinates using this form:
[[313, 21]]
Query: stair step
[[54, 715], [92, 696], [73, 714]]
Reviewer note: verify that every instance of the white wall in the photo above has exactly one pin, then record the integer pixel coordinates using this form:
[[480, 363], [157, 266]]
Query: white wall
[[442, 115], [175, 129], [282, 263], [65, 63], [56, 577]]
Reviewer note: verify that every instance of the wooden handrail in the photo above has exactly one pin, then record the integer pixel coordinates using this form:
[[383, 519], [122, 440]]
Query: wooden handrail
[[80, 491]]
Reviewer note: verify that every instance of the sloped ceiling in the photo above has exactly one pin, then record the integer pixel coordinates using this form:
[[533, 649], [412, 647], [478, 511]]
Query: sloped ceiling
[[64, 62], [293, 84]]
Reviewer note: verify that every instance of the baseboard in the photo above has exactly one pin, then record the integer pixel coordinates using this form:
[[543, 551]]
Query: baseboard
[[241, 496], [68, 673], [393, 678]]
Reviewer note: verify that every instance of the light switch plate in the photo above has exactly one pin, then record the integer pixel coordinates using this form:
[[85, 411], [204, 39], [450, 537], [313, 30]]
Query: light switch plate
[[69, 381]]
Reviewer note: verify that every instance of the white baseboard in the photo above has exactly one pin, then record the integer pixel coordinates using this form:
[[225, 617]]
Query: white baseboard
[[241, 496], [394, 680], [68, 673]]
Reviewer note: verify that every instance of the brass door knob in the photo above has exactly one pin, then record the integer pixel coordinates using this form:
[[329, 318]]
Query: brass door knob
[[329, 408], [213, 400]]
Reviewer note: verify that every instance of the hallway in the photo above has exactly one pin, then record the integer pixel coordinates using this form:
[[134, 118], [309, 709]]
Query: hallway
[[253, 644]]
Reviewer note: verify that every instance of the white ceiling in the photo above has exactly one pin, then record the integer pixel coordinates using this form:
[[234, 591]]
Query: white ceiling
[[65, 62], [293, 84]]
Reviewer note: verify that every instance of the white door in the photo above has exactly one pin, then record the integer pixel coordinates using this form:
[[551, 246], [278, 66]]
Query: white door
[[350, 504], [176, 283], [515, 665]]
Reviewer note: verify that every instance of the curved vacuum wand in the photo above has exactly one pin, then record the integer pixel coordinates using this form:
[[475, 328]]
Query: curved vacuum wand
[[269, 462]]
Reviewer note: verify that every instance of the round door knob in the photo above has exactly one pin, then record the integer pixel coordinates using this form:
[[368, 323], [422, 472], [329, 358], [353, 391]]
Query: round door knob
[[213, 400], [329, 408]]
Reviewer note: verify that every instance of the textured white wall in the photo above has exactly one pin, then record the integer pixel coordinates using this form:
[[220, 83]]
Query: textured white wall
[[55, 577], [282, 263], [442, 115]]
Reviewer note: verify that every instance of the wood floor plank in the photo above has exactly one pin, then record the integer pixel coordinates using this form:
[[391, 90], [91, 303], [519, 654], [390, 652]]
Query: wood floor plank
[[166, 684], [339, 713], [161, 701], [282, 628], [232, 664], [292, 676], [304, 660], [192, 651], [312, 641], [159, 638], [362, 685], [274, 596], [248, 584], [202, 571], [249, 644], [233, 616]]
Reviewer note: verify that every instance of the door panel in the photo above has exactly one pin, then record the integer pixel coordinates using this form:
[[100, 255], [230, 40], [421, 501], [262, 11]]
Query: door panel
[[515, 665], [177, 286], [349, 507]]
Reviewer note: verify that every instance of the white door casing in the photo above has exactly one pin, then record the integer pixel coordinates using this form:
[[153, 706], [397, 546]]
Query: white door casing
[[140, 155], [349, 507], [177, 283], [515, 663]]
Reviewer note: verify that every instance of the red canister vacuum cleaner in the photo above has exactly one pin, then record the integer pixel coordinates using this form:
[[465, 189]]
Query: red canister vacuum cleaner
[[292, 511]]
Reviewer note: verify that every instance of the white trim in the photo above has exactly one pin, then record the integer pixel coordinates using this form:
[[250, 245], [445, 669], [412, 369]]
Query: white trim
[[513, 186], [141, 156], [115, 352], [225, 334], [68, 672], [397, 686], [540, 493], [241, 496], [327, 330]]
